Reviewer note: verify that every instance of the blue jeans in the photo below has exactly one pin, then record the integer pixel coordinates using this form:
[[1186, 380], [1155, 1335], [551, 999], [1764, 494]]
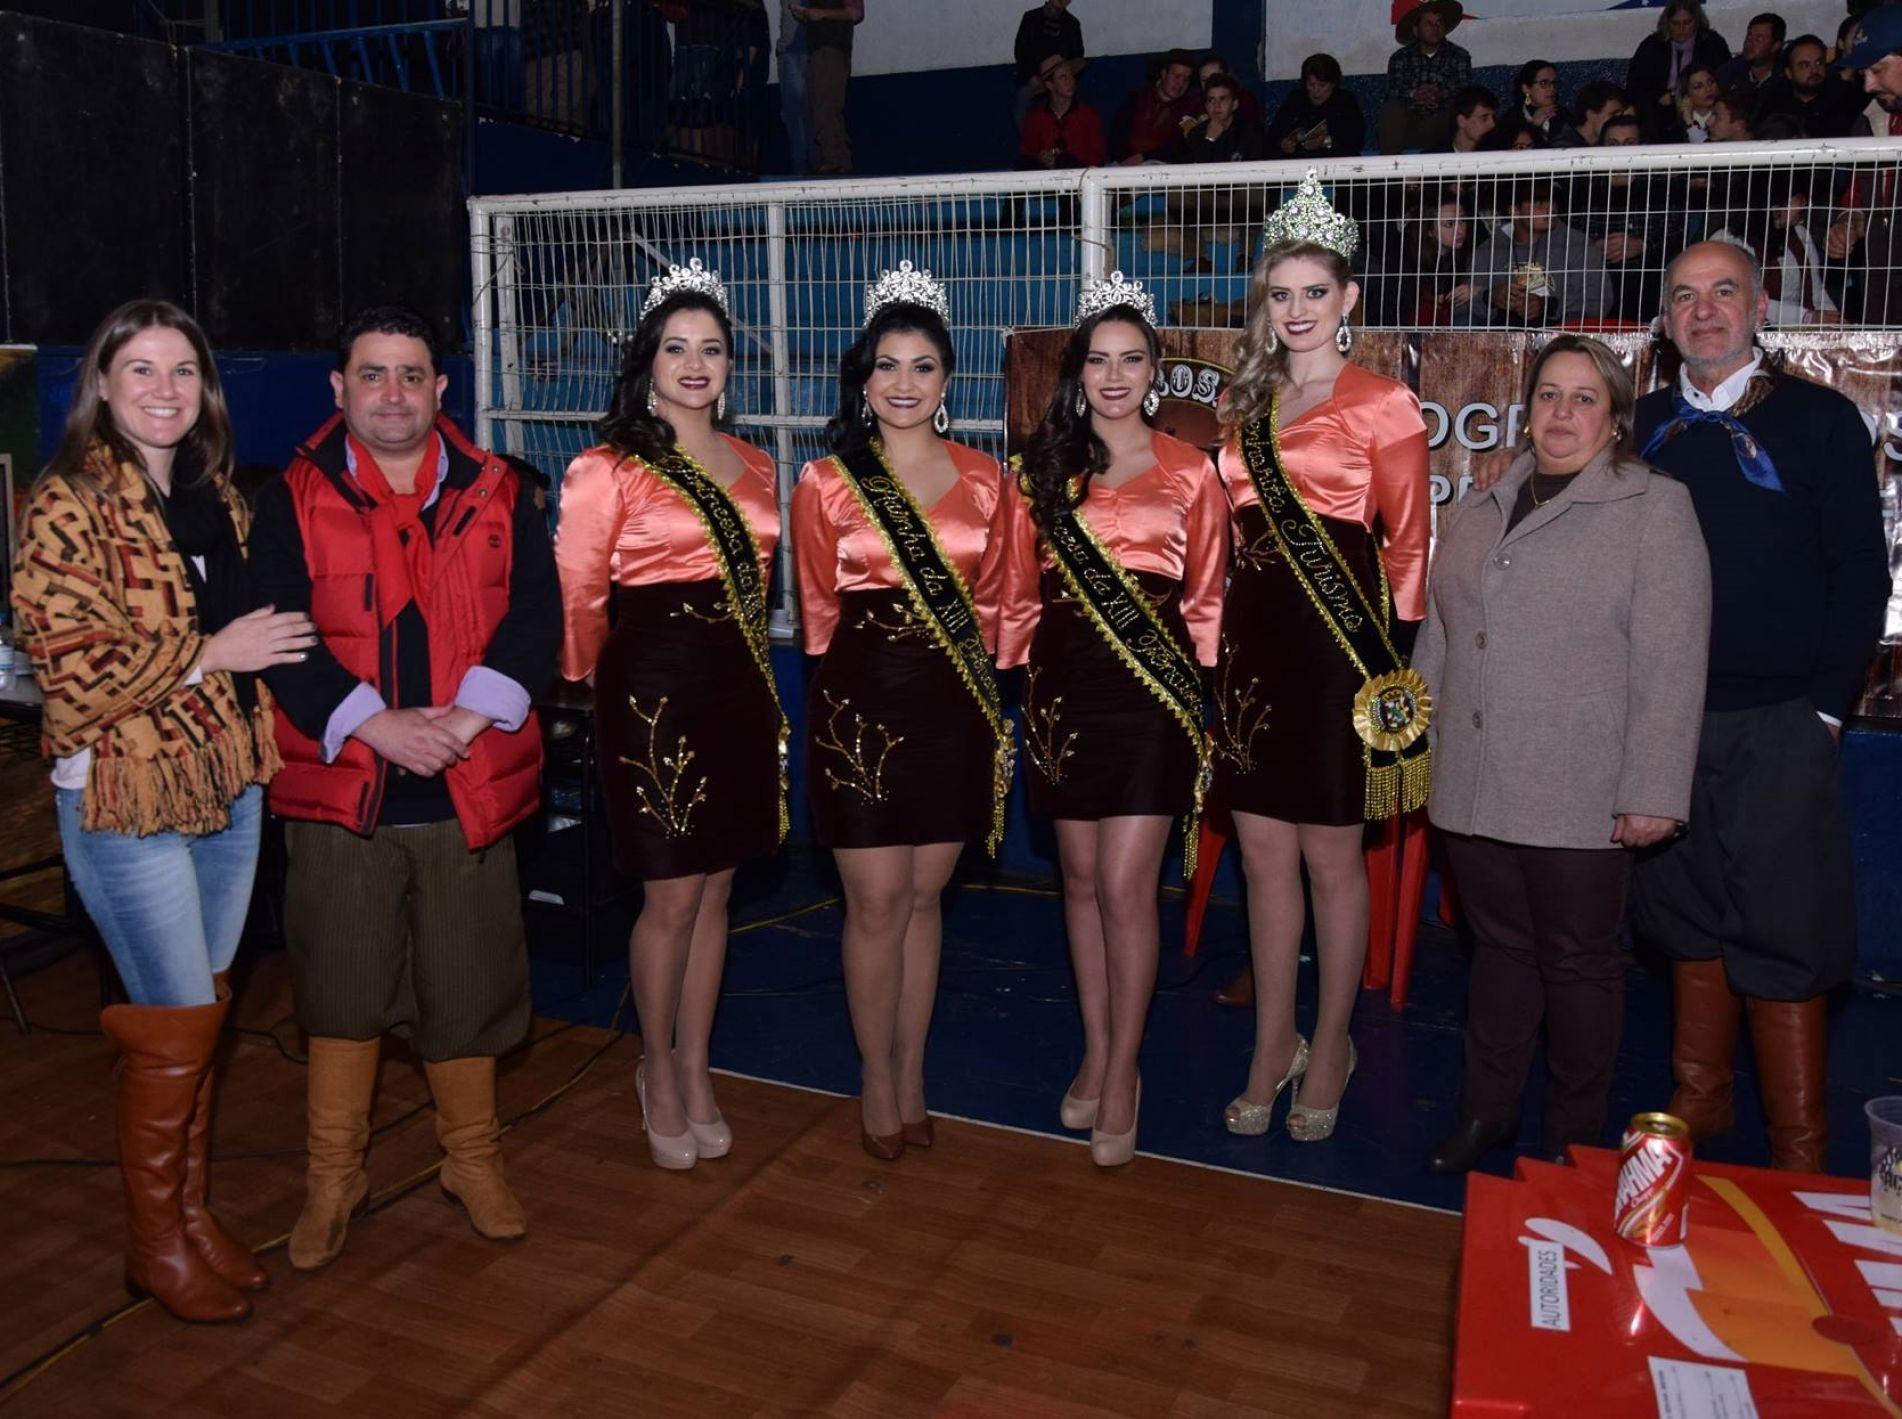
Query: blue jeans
[[169, 906], [792, 108]]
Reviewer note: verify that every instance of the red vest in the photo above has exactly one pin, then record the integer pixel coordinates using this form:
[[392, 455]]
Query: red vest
[[499, 784]]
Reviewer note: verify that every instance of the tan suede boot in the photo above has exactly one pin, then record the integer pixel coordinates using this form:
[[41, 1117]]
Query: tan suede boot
[[471, 1135], [342, 1086], [1705, 1017]]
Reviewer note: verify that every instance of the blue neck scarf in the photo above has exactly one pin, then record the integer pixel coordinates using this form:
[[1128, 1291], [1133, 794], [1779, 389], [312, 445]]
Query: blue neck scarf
[[1752, 457]]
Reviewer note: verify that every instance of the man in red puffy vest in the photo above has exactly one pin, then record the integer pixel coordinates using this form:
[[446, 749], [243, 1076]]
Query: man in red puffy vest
[[409, 753]]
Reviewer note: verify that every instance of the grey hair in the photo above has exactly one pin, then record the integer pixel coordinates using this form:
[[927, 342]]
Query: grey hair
[[1751, 264]]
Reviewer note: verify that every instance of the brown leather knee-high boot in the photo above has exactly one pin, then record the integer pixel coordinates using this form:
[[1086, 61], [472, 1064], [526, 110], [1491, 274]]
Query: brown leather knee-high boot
[[1790, 1038], [165, 1053], [230, 1259], [1705, 1016]]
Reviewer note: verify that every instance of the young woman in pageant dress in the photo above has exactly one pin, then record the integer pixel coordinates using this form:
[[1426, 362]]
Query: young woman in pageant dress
[[1117, 546], [907, 751], [1318, 728], [675, 523]]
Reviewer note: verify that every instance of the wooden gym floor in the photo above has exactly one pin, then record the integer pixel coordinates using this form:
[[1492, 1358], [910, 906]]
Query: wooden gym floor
[[997, 1275]]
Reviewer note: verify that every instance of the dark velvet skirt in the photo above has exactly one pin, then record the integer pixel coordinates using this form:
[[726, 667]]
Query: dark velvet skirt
[[688, 735], [1097, 743], [1283, 717], [897, 750]]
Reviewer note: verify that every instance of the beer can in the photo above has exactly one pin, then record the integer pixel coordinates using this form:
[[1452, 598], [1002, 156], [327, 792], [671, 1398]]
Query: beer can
[[1654, 1181]]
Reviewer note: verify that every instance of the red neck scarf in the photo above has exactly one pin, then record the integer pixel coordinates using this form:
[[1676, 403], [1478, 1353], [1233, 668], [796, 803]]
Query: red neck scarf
[[401, 553]]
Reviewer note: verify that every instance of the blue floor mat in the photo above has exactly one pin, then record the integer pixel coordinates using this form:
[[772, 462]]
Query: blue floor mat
[[1006, 1039]]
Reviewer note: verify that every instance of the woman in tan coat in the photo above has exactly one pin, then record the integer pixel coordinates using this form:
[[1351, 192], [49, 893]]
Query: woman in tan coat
[[1568, 615]]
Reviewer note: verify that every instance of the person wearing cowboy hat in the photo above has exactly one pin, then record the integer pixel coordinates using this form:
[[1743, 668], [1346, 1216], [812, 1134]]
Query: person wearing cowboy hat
[[1049, 29], [1061, 130], [1866, 232], [1161, 111], [1422, 76]]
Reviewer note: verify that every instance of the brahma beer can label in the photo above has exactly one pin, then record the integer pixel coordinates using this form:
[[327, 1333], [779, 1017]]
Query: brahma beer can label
[[1654, 1181]]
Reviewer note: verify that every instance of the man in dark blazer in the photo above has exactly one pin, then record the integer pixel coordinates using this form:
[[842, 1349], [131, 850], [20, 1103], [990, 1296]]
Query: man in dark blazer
[[1755, 903]]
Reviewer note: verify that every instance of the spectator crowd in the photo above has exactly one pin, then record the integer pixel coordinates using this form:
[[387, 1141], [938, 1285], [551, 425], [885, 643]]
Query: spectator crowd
[[1476, 249], [1471, 248]]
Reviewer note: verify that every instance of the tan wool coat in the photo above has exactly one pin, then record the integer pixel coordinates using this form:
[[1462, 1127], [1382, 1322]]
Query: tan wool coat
[[1566, 658]]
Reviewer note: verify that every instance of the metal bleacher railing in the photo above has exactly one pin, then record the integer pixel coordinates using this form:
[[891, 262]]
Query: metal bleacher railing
[[558, 278], [609, 69], [534, 58]]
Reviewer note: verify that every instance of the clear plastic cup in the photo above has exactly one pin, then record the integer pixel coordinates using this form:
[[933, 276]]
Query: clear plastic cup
[[1885, 1162]]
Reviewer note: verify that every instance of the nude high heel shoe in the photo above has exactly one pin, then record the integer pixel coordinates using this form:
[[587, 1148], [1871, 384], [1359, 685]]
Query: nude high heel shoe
[[711, 1140], [1077, 1113], [676, 1153], [1112, 1150]]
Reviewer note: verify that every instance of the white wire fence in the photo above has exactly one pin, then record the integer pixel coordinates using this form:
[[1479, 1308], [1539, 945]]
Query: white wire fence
[[1579, 239]]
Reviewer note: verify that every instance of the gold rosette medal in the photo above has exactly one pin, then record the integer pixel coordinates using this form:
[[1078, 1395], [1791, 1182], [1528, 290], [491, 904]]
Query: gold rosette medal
[[1392, 710]]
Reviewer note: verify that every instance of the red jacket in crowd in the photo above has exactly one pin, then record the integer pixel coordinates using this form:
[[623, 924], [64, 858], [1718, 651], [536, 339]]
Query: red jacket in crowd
[[1154, 125], [1078, 136]]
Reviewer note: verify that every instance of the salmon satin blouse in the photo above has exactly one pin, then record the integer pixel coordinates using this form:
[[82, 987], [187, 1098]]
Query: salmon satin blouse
[[1360, 455], [835, 550], [620, 525], [1171, 520]]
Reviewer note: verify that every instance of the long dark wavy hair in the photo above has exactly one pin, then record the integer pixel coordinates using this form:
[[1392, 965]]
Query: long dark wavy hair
[[1066, 444], [628, 428], [207, 448], [848, 432]]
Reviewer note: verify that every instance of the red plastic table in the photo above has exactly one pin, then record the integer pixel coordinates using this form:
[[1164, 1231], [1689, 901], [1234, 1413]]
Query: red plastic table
[[1784, 1301]]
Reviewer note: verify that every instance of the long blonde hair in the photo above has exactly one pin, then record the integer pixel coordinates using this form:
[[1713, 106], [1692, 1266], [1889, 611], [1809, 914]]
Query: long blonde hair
[[1262, 363]]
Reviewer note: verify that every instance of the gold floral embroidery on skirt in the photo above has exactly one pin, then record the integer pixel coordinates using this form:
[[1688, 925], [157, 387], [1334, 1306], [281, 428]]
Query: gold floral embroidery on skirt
[[720, 615], [1041, 731], [864, 772], [665, 796], [1256, 552], [908, 626], [1238, 718]]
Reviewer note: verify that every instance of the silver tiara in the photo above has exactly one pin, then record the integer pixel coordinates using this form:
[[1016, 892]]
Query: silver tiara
[[908, 287], [1100, 296], [1309, 217], [691, 277]]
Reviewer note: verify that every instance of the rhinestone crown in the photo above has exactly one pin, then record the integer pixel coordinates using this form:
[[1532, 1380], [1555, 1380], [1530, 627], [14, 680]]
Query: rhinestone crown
[[1309, 217], [1100, 296], [691, 277], [909, 287]]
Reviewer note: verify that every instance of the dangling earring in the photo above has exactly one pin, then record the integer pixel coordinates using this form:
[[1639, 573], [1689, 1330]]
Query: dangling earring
[[1082, 404], [1271, 344], [653, 405], [865, 409], [1344, 338], [1152, 401], [941, 421], [719, 408]]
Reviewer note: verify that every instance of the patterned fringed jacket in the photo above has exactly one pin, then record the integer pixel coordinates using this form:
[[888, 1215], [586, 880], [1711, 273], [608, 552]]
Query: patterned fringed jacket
[[105, 610]]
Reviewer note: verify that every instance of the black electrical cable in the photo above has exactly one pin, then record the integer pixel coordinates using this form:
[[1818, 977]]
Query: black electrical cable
[[24, 1375], [32, 1369]]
